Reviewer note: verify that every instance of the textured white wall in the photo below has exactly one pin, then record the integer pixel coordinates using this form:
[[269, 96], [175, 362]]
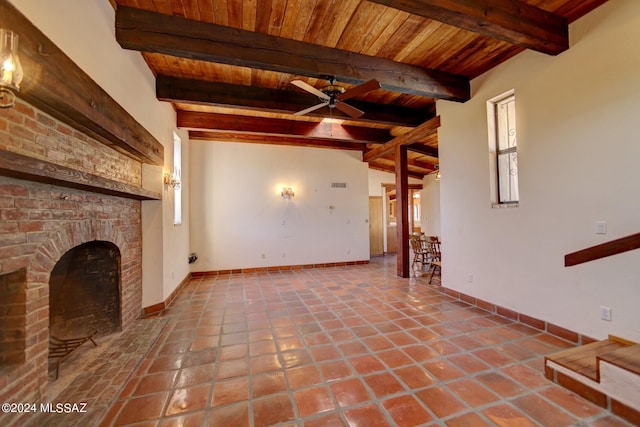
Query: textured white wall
[[430, 206], [84, 30], [578, 148], [237, 214]]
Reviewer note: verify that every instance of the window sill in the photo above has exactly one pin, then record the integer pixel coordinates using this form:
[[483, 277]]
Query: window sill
[[504, 205]]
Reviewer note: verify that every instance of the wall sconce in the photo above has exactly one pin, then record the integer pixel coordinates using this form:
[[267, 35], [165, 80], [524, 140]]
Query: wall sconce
[[173, 179], [437, 172], [10, 68], [287, 193]]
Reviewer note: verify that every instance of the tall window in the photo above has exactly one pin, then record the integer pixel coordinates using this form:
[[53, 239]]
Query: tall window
[[503, 146], [177, 168]]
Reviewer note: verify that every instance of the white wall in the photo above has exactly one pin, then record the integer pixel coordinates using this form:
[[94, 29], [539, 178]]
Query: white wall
[[84, 30], [430, 206], [578, 120], [238, 215]]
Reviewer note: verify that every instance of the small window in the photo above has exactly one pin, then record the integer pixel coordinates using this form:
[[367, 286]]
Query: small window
[[503, 149], [177, 168]]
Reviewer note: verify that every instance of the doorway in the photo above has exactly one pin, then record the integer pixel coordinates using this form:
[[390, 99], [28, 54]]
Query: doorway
[[376, 229], [390, 219]]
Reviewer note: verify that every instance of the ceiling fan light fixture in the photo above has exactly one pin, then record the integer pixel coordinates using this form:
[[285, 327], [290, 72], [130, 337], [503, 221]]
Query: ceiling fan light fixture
[[333, 96]]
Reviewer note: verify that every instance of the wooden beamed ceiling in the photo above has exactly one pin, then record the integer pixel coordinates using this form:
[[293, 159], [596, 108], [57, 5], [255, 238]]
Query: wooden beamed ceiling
[[202, 92], [180, 37], [514, 22], [227, 66]]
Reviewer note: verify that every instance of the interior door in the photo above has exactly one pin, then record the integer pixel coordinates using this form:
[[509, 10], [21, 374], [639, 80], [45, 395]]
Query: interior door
[[376, 243]]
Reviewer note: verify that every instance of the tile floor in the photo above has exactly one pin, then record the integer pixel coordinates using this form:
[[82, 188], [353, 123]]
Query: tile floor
[[343, 346]]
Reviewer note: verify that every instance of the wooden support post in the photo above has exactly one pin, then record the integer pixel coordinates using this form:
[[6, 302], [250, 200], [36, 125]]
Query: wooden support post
[[402, 205]]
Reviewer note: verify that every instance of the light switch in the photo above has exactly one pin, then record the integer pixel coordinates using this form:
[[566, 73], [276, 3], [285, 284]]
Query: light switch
[[601, 227]]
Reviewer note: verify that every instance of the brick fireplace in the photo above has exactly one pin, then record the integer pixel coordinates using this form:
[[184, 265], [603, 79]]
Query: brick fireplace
[[43, 225]]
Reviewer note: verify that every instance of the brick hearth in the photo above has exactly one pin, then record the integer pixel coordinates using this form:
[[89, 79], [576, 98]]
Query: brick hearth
[[39, 223]]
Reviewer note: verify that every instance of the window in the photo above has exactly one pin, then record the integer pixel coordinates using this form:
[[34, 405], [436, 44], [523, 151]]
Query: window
[[501, 113], [177, 168]]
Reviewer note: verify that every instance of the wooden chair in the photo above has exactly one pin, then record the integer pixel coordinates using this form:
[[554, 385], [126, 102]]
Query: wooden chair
[[420, 253], [434, 255]]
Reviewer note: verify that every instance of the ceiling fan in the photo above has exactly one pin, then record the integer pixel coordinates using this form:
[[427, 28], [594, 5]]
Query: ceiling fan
[[332, 96]]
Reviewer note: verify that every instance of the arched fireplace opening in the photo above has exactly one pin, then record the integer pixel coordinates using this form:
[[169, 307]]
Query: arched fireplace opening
[[84, 292]]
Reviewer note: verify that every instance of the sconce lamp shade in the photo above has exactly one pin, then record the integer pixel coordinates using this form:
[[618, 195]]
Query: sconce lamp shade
[[287, 193], [10, 68]]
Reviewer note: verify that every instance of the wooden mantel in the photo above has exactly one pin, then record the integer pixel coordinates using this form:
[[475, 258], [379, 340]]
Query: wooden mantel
[[56, 85], [23, 167]]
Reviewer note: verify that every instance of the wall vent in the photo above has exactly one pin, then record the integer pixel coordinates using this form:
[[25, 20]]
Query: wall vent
[[338, 185]]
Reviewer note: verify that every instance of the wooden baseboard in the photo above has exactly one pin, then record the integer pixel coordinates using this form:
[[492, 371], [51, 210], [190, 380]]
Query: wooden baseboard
[[540, 324], [277, 268], [157, 308]]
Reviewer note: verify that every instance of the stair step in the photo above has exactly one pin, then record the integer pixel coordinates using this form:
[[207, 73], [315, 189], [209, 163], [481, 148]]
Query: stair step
[[583, 360], [626, 358], [579, 370]]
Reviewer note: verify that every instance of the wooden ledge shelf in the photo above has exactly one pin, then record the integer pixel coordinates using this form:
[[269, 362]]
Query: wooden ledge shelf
[[56, 85], [16, 165], [603, 250]]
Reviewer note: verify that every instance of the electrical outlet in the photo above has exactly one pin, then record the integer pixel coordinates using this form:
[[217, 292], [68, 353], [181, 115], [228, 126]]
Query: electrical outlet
[[601, 227], [469, 277], [605, 313]]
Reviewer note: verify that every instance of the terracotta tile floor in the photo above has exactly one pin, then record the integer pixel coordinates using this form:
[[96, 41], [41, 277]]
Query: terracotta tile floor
[[344, 346]]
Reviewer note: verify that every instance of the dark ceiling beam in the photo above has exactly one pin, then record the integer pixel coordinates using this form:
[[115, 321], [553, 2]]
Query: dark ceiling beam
[[512, 21], [293, 141], [281, 127], [153, 32], [419, 164], [173, 89], [425, 129], [415, 164], [56, 85], [384, 167], [424, 149]]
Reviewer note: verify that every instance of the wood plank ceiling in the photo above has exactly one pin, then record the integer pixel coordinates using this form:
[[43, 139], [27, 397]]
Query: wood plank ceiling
[[227, 65]]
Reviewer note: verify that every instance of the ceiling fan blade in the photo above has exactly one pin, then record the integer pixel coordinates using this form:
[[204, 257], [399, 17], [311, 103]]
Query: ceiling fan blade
[[359, 90], [307, 87], [310, 109], [348, 109]]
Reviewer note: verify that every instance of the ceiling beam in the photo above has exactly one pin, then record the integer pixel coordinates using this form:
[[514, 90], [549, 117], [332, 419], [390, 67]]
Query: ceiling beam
[[424, 149], [416, 163], [173, 89], [292, 141], [408, 138], [514, 22], [281, 127], [391, 168], [153, 32]]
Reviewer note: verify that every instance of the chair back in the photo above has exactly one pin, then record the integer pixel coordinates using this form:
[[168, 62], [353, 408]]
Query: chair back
[[433, 248], [416, 243]]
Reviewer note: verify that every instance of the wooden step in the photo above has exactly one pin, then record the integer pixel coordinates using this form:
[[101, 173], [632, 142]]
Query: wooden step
[[584, 359], [627, 358], [579, 370]]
